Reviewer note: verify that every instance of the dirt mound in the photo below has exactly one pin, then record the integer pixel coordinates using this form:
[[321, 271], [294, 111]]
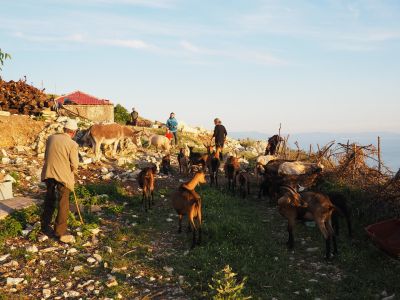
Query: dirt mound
[[18, 130]]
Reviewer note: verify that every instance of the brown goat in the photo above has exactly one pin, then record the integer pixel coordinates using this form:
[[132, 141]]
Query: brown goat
[[166, 164], [187, 202], [215, 163], [208, 156], [243, 182], [196, 159], [231, 168], [183, 162], [146, 181], [308, 206]]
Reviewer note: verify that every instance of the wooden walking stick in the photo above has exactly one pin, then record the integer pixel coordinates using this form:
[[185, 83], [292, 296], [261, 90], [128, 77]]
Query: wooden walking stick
[[77, 208]]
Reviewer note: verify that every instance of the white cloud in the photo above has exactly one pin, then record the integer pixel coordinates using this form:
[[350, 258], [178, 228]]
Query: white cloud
[[257, 57], [189, 47], [81, 39], [143, 3], [134, 44]]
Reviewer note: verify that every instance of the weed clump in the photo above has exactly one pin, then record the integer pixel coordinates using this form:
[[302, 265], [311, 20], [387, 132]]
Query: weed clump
[[226, 287], [9, 227]]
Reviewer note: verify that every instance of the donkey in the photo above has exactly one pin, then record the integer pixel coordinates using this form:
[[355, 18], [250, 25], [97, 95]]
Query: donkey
[[108, 134]]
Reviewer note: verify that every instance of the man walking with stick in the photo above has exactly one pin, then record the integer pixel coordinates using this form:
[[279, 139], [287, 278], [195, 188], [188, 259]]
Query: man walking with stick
[[60, 167]]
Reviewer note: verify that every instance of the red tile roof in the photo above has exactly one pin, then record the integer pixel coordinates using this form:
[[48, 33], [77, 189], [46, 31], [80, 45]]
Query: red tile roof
[[81, 98]]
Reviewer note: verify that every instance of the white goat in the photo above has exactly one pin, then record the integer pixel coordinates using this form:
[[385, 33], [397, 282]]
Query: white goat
[[261, 162], [157, 141], [298, 168]]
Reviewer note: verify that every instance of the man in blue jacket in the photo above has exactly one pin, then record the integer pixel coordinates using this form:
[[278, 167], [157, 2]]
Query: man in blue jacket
[[172, 125]]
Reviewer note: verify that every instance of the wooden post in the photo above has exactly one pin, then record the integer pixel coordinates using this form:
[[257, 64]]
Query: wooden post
[[298, 150], [280, 126], [309, 152], [355, 159], [379, 154]]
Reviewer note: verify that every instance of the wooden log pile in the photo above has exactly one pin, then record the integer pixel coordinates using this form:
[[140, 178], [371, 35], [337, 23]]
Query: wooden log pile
[[18, 97]]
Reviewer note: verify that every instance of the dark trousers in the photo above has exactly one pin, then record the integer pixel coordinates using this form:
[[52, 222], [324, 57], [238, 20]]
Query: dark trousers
[[175, 137], [60, 226], [221, 145]]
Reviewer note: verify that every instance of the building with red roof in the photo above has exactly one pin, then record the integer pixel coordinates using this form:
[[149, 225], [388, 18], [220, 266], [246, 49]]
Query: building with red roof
[[86, 106]]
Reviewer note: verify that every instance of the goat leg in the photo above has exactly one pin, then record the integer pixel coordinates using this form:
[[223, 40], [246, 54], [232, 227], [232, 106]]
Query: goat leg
[[290, 242], [335, 250], [180, 224], [332, 236], [194, 238], [199, 239], [328, 248]]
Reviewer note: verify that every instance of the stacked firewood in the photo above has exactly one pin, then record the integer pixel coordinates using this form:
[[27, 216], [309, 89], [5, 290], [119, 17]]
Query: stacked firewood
[[18, 97]]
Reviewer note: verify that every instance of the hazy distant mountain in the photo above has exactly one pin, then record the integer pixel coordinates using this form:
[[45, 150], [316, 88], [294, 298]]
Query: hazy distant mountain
[[390, 141]]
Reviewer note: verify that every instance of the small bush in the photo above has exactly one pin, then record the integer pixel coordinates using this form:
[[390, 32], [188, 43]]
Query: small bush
[[15, 175], [9, 227], [86, 229], [29, 215], [225, 286], [82, 192], [247, 143], [121, 114], [115, 209], [34, 234]]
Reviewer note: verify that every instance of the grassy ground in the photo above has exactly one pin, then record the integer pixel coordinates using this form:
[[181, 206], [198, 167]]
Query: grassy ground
[[246, 234]]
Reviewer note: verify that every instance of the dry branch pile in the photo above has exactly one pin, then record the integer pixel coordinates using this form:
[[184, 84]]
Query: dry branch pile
[[18, 97]]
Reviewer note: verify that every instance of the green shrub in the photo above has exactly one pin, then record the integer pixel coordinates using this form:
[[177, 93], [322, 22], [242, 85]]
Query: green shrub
[[115, 209], [34, 234], [15, 175], [9, 227], [247, 142], [82, 192], [121, 114], [225, 285], [28, 215]]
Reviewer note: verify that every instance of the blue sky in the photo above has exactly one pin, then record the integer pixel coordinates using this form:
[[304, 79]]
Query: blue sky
[[326, 65]]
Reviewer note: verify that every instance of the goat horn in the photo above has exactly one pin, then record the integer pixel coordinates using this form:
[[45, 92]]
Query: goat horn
[[290, 189]]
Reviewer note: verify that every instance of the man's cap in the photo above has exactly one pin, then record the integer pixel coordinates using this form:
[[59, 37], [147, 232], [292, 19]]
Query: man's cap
[[71, 125], [133, 108]]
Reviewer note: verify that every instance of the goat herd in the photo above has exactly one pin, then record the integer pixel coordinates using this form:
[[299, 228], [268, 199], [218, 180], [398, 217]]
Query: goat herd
[[277, 178]]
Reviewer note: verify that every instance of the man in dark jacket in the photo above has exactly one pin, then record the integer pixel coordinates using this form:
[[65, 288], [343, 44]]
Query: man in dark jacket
[[134, 117], [219, 134]]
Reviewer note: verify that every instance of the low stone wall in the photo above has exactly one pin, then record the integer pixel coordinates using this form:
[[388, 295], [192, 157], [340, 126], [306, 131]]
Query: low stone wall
[[96, 113]]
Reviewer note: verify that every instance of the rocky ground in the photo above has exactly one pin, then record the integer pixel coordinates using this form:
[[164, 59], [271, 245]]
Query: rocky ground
[[122, 252]]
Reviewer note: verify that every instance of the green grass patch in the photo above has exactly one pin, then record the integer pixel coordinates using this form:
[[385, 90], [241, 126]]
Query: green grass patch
[[250, 237]]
